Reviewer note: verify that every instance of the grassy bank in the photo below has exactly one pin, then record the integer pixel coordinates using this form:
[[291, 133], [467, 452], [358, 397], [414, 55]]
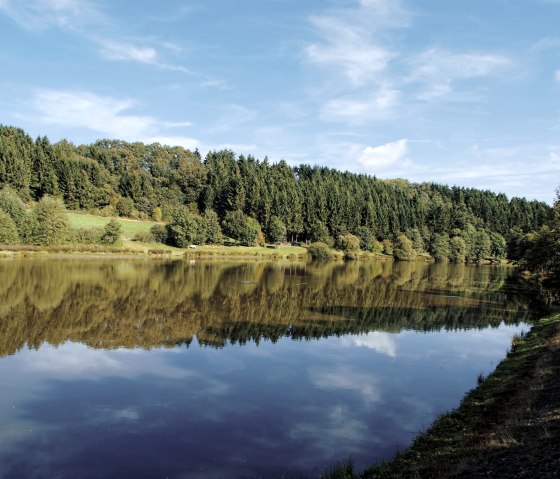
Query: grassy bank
[[509, 426]]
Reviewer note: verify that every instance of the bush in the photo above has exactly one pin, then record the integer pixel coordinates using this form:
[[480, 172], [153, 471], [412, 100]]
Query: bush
[[159, 233], [241, 228], [186, 228], [350, 244], [125, 207], [403, 250], [8, 229], [387, 246], [87, 235], [49, 223], [143, 237], [319, 252], [111, 233]]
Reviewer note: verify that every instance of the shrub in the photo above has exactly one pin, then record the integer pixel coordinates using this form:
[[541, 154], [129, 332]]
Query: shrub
[[403, 250], [350, 244], [319, 252], [87, 235], [387, 246], [8, 229], [186, 228], [49, 223], [111, 233], [143, 237], [241, 228], [125, 207], [159, 233]]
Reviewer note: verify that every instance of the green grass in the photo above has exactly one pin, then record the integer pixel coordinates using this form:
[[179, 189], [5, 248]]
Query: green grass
[[248, 251], [128, 227]]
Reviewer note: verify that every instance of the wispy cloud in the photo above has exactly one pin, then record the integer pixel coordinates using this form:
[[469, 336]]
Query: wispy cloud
[[348, 39], [124, 51], [104, 115], [233, 116], [80, 17], [359, 109], [42, 14], [557, 75], [438, 69]]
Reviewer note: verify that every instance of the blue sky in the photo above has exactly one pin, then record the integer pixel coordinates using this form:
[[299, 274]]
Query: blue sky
[[463, 93]]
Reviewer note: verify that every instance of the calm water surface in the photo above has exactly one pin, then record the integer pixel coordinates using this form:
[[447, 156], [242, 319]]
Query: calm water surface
[[178, 370]]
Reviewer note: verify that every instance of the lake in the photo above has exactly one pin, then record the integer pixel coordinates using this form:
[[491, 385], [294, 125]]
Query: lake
[[155, 369]]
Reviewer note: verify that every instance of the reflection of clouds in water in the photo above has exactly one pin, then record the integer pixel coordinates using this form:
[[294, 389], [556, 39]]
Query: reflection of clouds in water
[[127, 414], [383, 343], [338, 426], [346, 379], [72, 360]]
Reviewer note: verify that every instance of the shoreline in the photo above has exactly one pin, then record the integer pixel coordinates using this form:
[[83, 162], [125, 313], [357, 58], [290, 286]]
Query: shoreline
[[508, 426]]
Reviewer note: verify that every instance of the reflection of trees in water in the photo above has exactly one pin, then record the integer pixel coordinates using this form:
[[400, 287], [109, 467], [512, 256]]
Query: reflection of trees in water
[[146, 304]]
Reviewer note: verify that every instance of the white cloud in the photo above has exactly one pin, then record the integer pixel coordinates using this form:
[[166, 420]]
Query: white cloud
[[104, 115], [380, 157], [42, 14], [378, 106], [113, 50], [80, 17], [349, 44], [438, 69], [557, 75], [346, 379], [383, 343]]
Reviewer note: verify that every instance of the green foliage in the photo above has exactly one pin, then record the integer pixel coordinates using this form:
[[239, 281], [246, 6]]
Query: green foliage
[[388, 247], [457, 250], [404, 250], [481, 246], [498, 245], [319, 252], [238, 226], [213, 231], [159, 233], [319, 233], [8, 230], [417, 240], [125, 207], [49, 223], [350, 244], [11, 204], [276, 230], [143, 238], [313, 203], [87, 235], [440, 248], [186, 228], [111, 233]]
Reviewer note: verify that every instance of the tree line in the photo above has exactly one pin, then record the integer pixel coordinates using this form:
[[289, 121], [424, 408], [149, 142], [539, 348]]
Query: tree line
[[253, 201]]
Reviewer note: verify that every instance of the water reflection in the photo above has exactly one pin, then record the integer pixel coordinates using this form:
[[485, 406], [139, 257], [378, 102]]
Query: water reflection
[[145, 369], [148, 304]]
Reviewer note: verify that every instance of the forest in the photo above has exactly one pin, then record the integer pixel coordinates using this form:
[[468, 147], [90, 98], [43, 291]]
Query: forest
[[235, 197]]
